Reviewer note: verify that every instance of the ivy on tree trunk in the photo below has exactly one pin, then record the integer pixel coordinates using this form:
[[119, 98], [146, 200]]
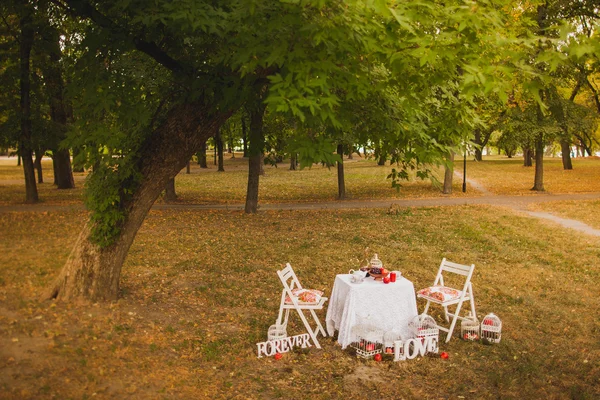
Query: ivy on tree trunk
[[92, 271]]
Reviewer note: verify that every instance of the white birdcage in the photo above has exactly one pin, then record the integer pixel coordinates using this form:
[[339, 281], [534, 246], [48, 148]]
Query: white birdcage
[[491, 329], [367, 340], [375, 262], [277, 332], [469, 329], [389, 338], [424, 326]]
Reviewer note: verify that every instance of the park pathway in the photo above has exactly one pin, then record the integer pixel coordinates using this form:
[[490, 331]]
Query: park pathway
[[517, 203], [565, 222]]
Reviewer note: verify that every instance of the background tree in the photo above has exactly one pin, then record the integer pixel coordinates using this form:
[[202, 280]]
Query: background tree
[[27, 32]]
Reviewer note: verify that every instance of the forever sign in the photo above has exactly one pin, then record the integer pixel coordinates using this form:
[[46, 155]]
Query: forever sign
[[270, 347]]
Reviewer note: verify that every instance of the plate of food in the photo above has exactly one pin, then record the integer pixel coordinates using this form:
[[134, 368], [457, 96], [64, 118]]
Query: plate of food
[[378, 273]]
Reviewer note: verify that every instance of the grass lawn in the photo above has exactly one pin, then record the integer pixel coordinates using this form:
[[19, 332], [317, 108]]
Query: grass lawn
[[364, 180], [12, 185], [501, 175], [584, 211], [199, 289]]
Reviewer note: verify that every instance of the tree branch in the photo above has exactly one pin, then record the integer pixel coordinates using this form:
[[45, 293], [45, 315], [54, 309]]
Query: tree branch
[[84, 9], [594, 93], [10, 30]]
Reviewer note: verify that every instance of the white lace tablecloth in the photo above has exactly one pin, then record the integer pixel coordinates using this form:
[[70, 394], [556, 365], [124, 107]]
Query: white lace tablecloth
[[389, 307]]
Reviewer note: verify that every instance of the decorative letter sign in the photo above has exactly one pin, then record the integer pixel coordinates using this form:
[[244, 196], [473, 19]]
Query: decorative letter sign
[[414, 347], [270, 347]]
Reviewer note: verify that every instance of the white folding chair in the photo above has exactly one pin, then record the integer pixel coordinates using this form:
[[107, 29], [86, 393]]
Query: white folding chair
[[448, 296], [291, 301]]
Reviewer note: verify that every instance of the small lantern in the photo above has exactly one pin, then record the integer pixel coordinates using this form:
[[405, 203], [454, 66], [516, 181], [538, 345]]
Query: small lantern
[[389, 338], [277, 332], [375, 262], [491, 329], [423, 326], [367, 340], [469, 329]]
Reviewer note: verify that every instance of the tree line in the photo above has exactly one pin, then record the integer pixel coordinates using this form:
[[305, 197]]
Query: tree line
[[133, 89]]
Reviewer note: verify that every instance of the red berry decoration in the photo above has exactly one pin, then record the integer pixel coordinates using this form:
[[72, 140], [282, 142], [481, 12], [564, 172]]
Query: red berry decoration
[[377, 357], [278, 356], [444, 355], [386, 279]]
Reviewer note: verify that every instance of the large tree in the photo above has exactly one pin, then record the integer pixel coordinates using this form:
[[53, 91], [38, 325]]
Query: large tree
[[159, 78]]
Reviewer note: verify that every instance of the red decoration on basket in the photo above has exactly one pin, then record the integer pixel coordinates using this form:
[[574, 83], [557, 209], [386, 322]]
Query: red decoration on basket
[[444, 355], [278, 356]]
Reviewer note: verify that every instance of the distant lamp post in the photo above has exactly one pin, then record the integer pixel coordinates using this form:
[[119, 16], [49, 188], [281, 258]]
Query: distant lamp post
[[465, 171]]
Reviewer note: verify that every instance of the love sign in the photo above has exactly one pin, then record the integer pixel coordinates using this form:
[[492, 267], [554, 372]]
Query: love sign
[[271, 347], [414, 347]]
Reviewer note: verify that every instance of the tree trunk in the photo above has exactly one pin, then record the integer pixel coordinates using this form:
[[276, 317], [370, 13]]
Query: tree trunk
[[230, 148], [63, 173], [244, 136], [340, 173], [539, 164], [18, 159], [527, 157], [54, 171], [257, 143], [565, 148], [478, 147], [37, 163], [448, 174], [219, 144], [261, 170], [25, 143], [202, 155], [92, 272], [294, 162], [170, 194], [188, 168]]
